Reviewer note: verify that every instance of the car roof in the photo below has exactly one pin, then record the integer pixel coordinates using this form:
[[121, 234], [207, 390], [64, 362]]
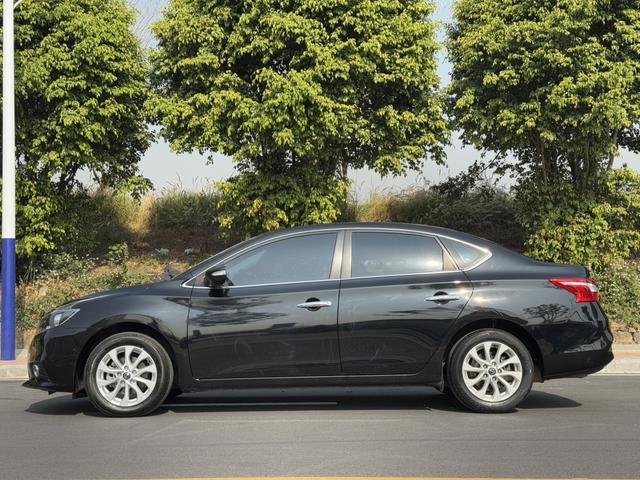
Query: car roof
[[429, 229]]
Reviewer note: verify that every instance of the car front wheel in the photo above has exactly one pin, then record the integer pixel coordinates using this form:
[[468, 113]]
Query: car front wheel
[[490, 371], [128, 374]]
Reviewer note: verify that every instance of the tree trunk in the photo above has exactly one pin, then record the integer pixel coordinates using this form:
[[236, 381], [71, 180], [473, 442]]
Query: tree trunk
[[614, 141], [543, 161], [587, 169]]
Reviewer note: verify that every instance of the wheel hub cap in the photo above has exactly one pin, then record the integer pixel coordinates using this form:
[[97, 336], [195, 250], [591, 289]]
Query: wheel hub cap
[[126, 375], [492, 371]]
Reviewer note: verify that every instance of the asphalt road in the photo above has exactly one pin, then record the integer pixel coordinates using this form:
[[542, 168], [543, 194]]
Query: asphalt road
[[566, 428]]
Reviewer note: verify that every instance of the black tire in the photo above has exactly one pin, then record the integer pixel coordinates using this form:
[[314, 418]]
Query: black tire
[[162, 363], [463, 393]]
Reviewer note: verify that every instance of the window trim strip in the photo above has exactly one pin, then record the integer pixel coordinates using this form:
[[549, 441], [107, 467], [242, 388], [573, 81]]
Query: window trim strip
[[346, 254]]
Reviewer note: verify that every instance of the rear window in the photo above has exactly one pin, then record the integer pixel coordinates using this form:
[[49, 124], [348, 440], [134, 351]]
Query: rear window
[[464, 254]]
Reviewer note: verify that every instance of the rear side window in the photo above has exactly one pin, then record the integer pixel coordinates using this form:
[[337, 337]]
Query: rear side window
[[375, 254], [463, 254]]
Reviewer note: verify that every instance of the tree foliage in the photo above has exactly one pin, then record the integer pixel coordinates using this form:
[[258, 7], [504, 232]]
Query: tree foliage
[[80, 94], [300, 85], [567, 227], [252, 203], [555, 82]]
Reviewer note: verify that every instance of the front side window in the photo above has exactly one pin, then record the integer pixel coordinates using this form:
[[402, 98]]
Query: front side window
[[298, 259], [376, 254]]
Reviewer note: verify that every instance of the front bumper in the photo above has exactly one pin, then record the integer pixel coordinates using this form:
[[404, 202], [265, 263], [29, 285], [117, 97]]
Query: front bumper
[[52, 361]]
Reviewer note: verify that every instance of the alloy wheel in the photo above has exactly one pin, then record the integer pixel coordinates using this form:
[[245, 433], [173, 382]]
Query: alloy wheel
[[126, 375], [492, 371]]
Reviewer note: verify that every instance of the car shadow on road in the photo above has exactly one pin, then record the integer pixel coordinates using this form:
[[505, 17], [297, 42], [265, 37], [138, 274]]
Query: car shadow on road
[[216, 402]]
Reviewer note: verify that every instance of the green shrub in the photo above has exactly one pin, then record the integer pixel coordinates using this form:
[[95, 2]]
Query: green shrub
[[118, 254], [619, 285], [70, 278], [91, 221], [566, 227], [408, 206], [252, 203], [484, 210], [84, 224], [177, 208]]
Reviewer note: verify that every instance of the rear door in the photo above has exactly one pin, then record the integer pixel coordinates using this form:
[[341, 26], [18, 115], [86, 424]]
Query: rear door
[[399, 294]]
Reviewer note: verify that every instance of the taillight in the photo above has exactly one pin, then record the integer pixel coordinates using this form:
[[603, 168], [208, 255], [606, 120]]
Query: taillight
[[584, 289]]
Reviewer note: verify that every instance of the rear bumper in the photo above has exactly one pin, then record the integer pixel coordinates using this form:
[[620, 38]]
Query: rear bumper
[[579, 347], [580, 364]]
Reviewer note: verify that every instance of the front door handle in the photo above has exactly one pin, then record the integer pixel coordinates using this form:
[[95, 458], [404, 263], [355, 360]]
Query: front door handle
[[442, 298], [314, 304]]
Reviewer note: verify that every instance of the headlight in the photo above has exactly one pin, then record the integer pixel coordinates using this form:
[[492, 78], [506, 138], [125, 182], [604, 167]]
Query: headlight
[[58, 317]]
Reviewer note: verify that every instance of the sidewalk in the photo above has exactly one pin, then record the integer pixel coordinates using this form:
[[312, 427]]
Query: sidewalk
[[626, 361], [14, 369]]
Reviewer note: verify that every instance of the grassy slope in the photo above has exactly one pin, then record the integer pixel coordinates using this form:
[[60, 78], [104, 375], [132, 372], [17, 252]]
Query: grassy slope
[[160, 230]]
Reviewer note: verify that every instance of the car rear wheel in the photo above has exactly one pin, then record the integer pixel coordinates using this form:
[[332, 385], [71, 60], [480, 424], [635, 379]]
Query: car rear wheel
[[490, 371], [128, 374]]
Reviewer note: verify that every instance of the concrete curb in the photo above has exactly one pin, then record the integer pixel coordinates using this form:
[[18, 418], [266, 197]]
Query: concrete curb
[[12, 372], [626, 362], [15, 369]]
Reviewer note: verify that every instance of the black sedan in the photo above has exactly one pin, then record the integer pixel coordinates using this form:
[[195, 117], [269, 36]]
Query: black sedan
[[332, 305]]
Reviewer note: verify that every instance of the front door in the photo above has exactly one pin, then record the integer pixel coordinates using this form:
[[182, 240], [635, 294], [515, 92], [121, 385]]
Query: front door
[[276, 316], [397, 301]]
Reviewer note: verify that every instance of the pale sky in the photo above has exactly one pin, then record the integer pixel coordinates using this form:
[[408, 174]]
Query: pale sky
[[191, 171]]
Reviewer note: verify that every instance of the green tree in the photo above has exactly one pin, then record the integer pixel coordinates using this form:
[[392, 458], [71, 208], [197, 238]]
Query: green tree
[[302, 89], [554, 82], [596, 231], [252, 203], [80, 95]]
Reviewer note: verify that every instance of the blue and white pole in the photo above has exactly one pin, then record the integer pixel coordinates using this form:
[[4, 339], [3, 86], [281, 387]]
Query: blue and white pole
[[8, 187]]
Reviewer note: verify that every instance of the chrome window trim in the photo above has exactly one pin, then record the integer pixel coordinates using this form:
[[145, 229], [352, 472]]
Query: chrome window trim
[[416, 274], [347, 255], [273, 284], [333, 279]]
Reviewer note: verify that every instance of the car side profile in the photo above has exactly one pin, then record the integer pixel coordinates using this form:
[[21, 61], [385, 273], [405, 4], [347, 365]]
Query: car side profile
[[332, 305]]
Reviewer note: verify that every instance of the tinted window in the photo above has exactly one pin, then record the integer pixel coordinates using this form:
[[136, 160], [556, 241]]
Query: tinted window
[[295, 259], [464, 254], [211, 261], [374, 254]]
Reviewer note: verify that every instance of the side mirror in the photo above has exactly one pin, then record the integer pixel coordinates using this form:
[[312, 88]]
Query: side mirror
[[216, 278]]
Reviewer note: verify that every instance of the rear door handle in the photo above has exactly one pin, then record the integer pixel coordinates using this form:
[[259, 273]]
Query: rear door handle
[[315, 305], [442, 298]]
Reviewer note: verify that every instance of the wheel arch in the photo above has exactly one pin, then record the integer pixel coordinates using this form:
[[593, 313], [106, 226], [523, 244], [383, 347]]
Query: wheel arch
[[112, 330], [510, 327]]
